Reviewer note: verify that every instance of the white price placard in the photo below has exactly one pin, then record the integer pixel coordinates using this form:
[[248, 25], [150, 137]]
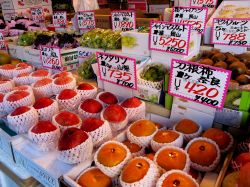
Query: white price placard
[[123, 20], [204, 3], [37, 14], [169, 37], [51, 57], [119, 70], [3, 43], [60, 19], [206, 85], [231, 32], [86, 20], [194, 16]]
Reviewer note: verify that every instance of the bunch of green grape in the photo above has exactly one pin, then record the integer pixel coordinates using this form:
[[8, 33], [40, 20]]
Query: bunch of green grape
[[26, 39], [85, 70], [128, 41], [153, 72]]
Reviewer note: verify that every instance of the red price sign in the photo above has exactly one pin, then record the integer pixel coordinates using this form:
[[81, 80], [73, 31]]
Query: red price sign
[[232, 32], [118, 70], [169, 37], [51, 57], [194, 16], [123, 20], [204, 3], [60, 19], [37, 14], [86, 20], [202, 84]]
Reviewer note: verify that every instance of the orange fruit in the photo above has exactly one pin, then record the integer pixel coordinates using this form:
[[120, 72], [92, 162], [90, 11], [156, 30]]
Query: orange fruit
[[178, 180], [165, 136], [143, 128], [134, 148], [187, 126]]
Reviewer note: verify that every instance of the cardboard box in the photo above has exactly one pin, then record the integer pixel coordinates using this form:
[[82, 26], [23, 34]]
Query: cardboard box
[[238, 100], [158, 8]]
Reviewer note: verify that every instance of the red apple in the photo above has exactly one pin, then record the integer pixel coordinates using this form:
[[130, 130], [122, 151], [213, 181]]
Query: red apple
[[244, 179], [40, 73], [43, 127], [242, 159], [20, 110], [7, 67], [1, 97], [21, 88], [67, 119], [85, 86], [108, 98], [91, 106], [62, 74], [91, 124], [42, 103], [63, 80], [71, 138], [67, 94], [23, 75], [17, 95], [114, 113], [43, 82], [131, 103], [22, 64]]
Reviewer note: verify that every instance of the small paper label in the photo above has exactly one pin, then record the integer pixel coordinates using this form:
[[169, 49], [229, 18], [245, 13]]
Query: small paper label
[[86, 20], [51, 57], [199, 83], [60, 19], [123, 20], [118, 70], [204, 3], [37, 14], [3, 43]]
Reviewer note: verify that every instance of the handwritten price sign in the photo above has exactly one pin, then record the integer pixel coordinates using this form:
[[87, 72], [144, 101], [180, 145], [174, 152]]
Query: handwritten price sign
[[118, 70], [233, 32], [202, 84], [60, 19], [169, 37], [3, 44], [194, 16], [123, 20], [37, 14], [51, 57], [86, 20], [204, 3]]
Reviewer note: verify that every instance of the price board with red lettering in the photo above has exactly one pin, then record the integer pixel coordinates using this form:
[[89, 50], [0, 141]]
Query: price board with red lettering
[[60, 19], [37, 14], [86, 20], [3, 43], [119, 70], [194, 16], [231, 32], [169, 37], [204, 3], [199, 83], [51, 57], [123, 20]]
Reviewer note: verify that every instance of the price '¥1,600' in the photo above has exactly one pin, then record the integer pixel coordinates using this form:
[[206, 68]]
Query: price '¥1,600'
[[51, 57], [202, 84], [232, 32], [123, 20], [169, 37], [204, 3], [37, 14], [118, 70], [86, 20], [60, 19]]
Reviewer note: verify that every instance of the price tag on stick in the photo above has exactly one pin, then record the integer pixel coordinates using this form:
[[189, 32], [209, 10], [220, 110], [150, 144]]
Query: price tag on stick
[[51, 57], [232, 32], [3, 43], [123, 20], [169, 37], [204, 3], [37, 14], [86, 20], [60, 19], [118, 70], [199, 83], [194, 16]]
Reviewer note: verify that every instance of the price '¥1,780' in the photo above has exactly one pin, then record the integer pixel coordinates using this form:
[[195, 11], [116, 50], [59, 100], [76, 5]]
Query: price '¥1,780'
[[202, 84], [86, 20], [123, 20], [51, 57], [204, 3], [118, 70], [169, 37], [60, 19], [232, 32]]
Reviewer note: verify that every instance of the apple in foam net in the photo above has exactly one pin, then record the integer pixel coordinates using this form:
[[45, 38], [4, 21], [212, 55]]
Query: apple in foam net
[[7, 67], [43, 127], [17, 95], [85, 86], [42, 103], [1, 97], [23, 75], [67, 94], [91, 124], [91, 106], [63, 80], [114, 113], [20, 110], [131, 103], [42, 82], [66, 119], [40, 73], [108, 98]]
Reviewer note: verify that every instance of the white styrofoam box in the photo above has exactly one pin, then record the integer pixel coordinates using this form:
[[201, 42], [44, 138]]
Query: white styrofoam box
[[16, 51], [165, 122], [179, 112], [158, 9], [140, 46], [193, 105]]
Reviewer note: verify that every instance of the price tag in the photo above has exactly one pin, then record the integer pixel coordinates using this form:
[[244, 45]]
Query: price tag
[[123, 20], [3, 43], [232, 32], [51, 57], [118, 70], [194, 16], [169, 37], [86, 20], [204, 3], [199, 83], [60, 19], [37, 14]]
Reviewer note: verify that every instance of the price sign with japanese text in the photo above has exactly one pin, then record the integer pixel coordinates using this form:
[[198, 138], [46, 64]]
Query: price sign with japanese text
[[37, 14], [204, 3], [51, 57], [117, 69], [199, 83], [169, 37], [194, 16], [232, 32], [123, 20], [60, 19], [3, 43], [86, 20]]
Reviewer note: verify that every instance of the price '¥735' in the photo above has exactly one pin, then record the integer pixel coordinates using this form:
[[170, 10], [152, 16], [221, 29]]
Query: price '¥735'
[[51, 57], [203, 3]]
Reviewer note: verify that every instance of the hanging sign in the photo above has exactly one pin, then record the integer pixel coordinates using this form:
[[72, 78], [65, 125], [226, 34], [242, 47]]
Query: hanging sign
[[194, 16], [51, 57], [204, 3], [232, 32], [37, 14], [199, 83], [169, 37], [123, 20], [60, 19], [86, 20], [117, 69], [3, 43]]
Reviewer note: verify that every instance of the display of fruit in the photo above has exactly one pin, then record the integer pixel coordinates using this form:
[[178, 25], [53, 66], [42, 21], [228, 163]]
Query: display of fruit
[[91, 106], [66, 120], [153, 72], [26, 39], [85, 70], [4, 58], [114, 113], [129, 41], [43, 127], [131, 103], [107, 98], [85, 86], [43, 102], [91, 124], [242, 159]]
